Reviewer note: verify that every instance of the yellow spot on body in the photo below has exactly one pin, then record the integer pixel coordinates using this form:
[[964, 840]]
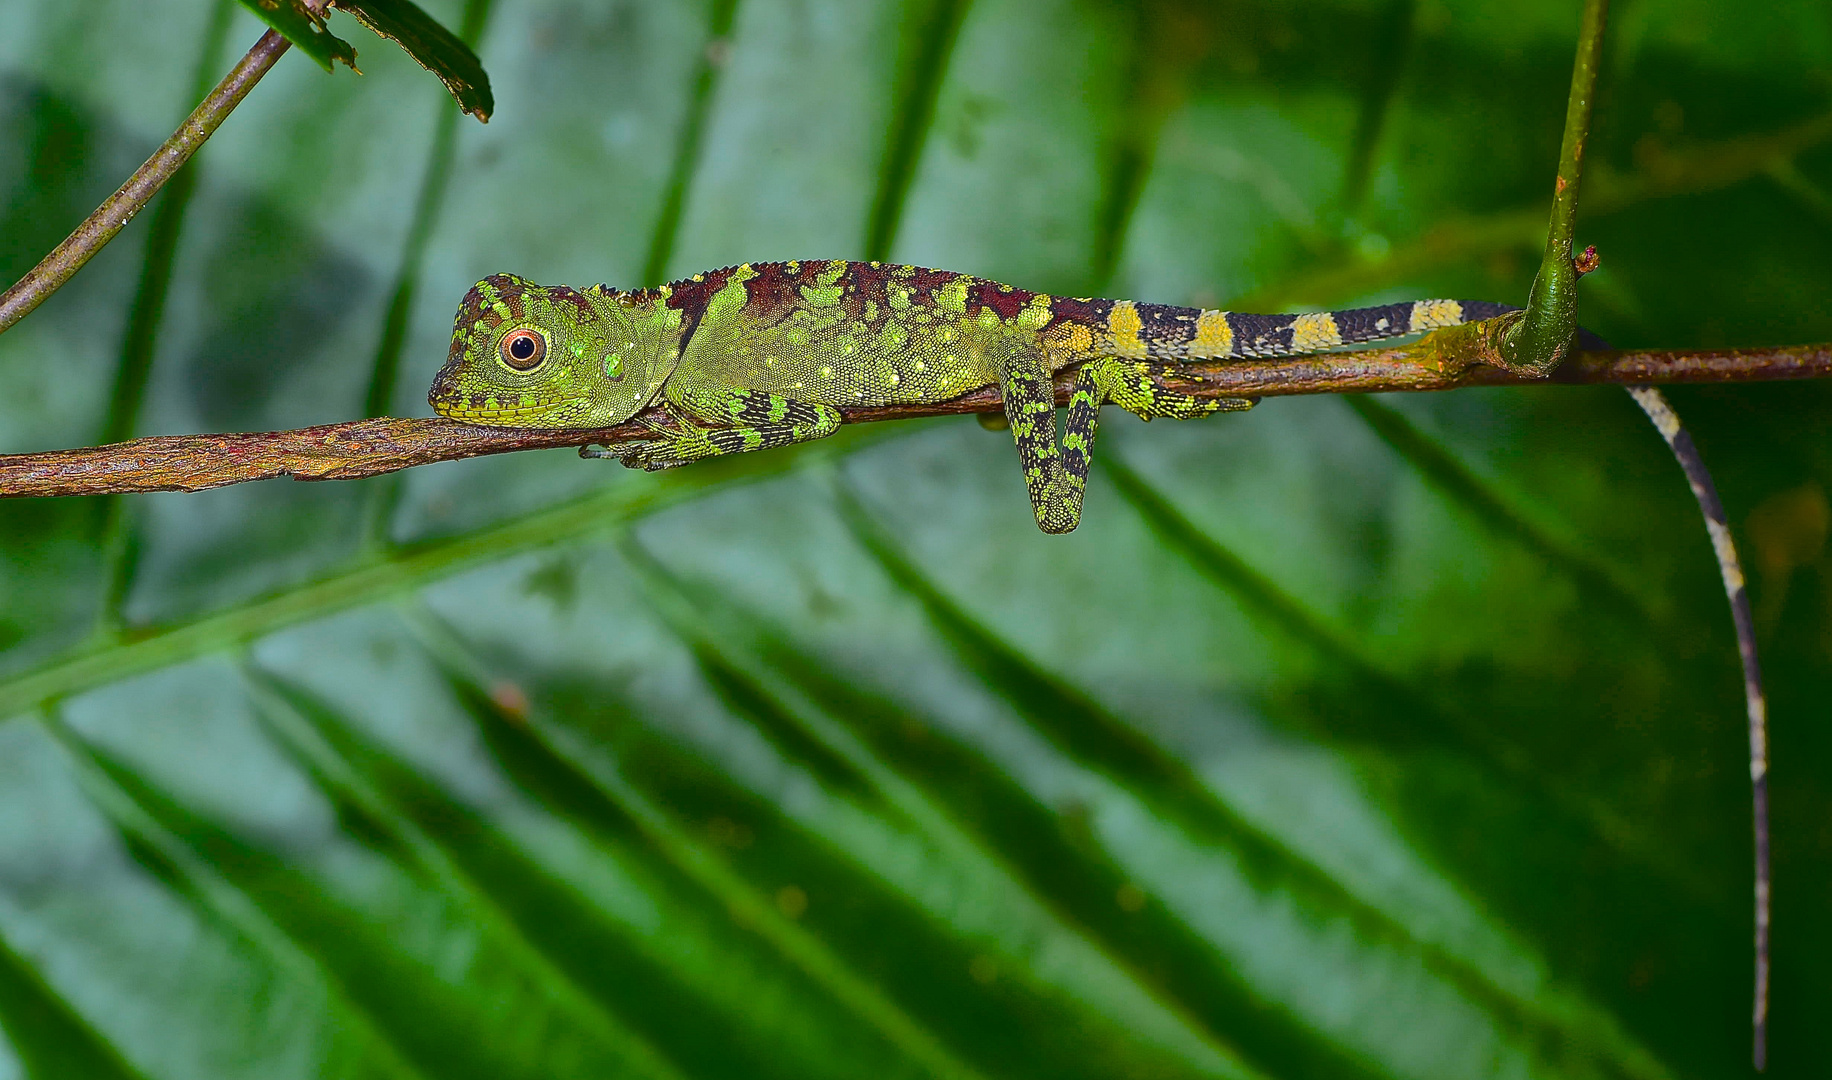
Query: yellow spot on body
[[1123, 327], [1214, 337], [1315, 333], [1036, 314], [1432, 314], [826, 372], [952, 297], [1072, 338], [920, 367], [794, 266], [896, 378], [871, 310], [946, 335], [769, 361], [988, 318]]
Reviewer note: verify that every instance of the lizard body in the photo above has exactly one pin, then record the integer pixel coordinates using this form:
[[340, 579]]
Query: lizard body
[[764, 354]]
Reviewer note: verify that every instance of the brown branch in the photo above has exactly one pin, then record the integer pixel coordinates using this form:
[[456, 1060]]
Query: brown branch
[[130, 198], [370, 447]]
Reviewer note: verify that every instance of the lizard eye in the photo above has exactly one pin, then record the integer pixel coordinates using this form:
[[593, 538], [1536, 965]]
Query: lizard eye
[[524, 349]]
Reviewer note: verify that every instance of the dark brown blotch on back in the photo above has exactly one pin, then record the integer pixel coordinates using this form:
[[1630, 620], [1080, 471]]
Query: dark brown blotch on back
[[865, 287], [1080, 312], [927, 283], [1002, 299], [690, 296], [776, 290]]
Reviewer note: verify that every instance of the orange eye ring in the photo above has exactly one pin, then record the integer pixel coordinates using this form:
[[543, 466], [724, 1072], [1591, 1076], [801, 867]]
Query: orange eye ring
[[523, 349]]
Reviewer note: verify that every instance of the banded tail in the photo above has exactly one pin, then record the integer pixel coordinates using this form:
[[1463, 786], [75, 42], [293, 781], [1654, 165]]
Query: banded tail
[[1164, 332]]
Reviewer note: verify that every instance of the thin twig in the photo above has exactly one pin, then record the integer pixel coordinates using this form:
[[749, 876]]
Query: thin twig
[[1544, 334], [370, 447], [1654, 403], [113, 215]]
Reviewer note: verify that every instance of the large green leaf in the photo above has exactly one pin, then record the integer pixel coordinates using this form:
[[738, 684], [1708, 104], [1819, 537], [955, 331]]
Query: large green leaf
[[1394, 737]]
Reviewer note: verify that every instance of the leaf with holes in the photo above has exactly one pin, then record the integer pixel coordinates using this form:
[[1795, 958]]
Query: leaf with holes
[[432, 46]]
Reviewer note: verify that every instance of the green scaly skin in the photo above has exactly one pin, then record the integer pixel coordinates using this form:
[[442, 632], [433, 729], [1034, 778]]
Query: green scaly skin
[[765, 354]]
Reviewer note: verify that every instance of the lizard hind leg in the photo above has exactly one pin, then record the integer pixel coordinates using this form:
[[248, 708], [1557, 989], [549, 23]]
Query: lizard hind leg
[[1137, 387], [1056, 477]]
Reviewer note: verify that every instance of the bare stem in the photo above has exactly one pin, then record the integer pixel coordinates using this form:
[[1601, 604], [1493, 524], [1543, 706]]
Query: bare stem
[[1444, 361], [1543, 337], [113, 215], [1654, 403]]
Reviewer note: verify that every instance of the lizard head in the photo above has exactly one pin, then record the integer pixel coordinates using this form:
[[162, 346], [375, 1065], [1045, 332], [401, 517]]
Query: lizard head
[[527, 355]]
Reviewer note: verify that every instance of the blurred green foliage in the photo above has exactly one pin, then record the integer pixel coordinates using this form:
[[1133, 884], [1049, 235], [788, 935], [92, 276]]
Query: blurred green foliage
[[1379, 737]]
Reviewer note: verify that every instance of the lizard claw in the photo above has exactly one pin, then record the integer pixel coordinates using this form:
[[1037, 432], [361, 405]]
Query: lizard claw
[[651, 455], [669, 447]]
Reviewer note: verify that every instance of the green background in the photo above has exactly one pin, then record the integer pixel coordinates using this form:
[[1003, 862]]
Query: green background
[[1353, 737]]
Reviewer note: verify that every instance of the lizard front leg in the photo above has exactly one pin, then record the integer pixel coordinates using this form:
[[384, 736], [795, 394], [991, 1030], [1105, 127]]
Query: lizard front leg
[[742, 420]]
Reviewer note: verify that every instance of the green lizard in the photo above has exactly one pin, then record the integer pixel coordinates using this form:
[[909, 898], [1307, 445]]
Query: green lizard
[[764, 354]]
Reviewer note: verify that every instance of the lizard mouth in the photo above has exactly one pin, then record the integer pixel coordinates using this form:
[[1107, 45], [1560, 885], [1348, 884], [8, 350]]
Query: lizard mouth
[[481, 409], [450, 400]]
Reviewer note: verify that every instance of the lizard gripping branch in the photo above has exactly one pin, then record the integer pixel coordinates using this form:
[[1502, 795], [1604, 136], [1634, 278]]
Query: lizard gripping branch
[[362, 448], [767, 354]]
